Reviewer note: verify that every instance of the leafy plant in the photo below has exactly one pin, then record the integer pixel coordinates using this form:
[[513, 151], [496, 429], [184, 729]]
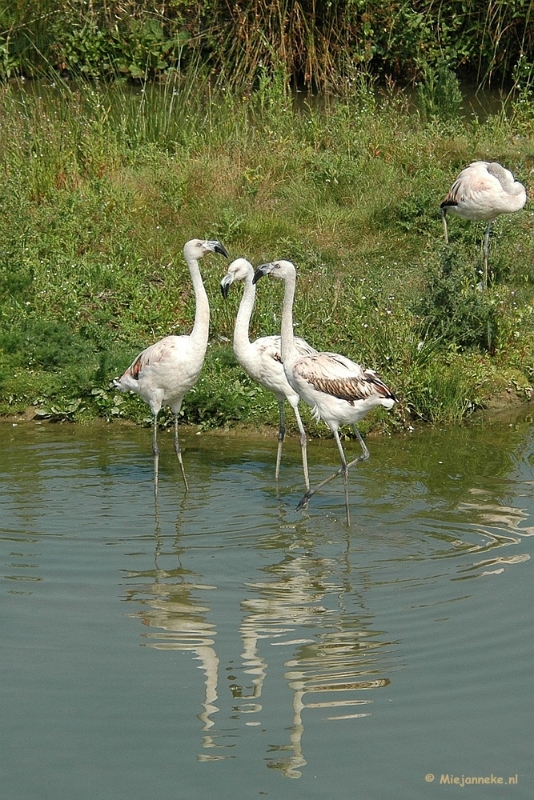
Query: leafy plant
[[457, 309], [321, 46], [438, 93]]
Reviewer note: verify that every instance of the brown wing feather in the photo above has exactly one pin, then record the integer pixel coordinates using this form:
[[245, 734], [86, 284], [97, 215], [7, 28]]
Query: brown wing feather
[[349, 390], [136, 367], [342, 378]]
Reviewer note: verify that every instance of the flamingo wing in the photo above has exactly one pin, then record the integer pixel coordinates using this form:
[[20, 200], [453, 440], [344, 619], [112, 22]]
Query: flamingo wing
[[340, 377]]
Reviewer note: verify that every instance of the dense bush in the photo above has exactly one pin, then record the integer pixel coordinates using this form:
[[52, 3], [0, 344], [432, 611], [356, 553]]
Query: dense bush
[[319, 45]]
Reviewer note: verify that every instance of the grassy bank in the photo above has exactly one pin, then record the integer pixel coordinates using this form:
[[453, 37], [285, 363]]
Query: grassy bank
[[101, 186]]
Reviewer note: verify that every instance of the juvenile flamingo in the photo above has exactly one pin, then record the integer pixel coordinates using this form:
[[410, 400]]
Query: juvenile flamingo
[[261, 359], [339, 391], [483, 191], [164, 372]]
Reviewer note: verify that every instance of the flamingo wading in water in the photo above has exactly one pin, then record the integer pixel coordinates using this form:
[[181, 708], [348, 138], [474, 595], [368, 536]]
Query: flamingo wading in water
[[483, 191], [338, 390], [261, 359], [164, 372]]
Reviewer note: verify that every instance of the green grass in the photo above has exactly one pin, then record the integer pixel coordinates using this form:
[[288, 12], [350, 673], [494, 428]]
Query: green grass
[[101, 187]]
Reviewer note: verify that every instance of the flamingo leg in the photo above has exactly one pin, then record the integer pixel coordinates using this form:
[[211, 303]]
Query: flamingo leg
[[303, 447], [281, 436], [178, 451], [155, 451], [342, 470], [446, 230], [486, 253]]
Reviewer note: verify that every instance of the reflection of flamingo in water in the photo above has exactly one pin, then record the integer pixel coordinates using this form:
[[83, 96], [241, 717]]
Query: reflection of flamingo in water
[[181, 623], [333, 655], [334, 662]]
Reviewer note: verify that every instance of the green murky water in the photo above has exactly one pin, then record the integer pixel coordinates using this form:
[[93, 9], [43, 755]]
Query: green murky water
[[221, 644]]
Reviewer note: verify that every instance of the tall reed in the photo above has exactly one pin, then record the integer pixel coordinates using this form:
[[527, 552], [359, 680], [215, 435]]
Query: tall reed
[[317, 46]]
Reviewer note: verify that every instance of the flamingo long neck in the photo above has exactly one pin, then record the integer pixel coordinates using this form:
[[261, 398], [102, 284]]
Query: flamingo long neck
[[199, 334], [288, 337], [242, 322], [518, 196], [514, 189]]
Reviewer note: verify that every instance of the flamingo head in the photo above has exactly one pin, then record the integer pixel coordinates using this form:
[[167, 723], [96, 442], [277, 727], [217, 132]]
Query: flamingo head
[[239, 270]]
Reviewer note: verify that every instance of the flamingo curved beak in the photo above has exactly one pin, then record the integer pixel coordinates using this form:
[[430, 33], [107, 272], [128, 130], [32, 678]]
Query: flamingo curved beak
[[217, 247], [263, 269], [225, 284]]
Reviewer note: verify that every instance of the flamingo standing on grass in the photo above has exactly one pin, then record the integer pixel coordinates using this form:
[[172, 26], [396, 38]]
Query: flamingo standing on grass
[[483, 191], [339, 391], [261, 359], [164, 372]]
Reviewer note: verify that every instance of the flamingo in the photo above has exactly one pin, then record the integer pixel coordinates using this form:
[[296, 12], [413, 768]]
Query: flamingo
[[164, 372], [338, 390], [483, 191], [261, 359]]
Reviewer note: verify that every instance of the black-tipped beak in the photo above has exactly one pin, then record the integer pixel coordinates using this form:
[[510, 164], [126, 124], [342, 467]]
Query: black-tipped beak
[[216, 247], [225, 286], [219, 248], [260, 272]]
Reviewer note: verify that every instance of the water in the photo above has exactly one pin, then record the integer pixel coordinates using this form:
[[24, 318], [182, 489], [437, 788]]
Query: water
[[223, 644]]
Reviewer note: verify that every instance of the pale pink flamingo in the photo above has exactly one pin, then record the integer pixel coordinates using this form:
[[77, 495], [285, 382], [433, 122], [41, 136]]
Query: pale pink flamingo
[[483, 191], [339, 391], [164, 372], [261, 358]]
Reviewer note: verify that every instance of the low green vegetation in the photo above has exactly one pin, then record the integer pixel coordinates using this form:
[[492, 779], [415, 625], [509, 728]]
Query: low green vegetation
[[103, 184]]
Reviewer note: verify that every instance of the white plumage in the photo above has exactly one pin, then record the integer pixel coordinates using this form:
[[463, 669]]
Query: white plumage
[[164, 372], [337, 389], [261, 359], [483, 191]]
